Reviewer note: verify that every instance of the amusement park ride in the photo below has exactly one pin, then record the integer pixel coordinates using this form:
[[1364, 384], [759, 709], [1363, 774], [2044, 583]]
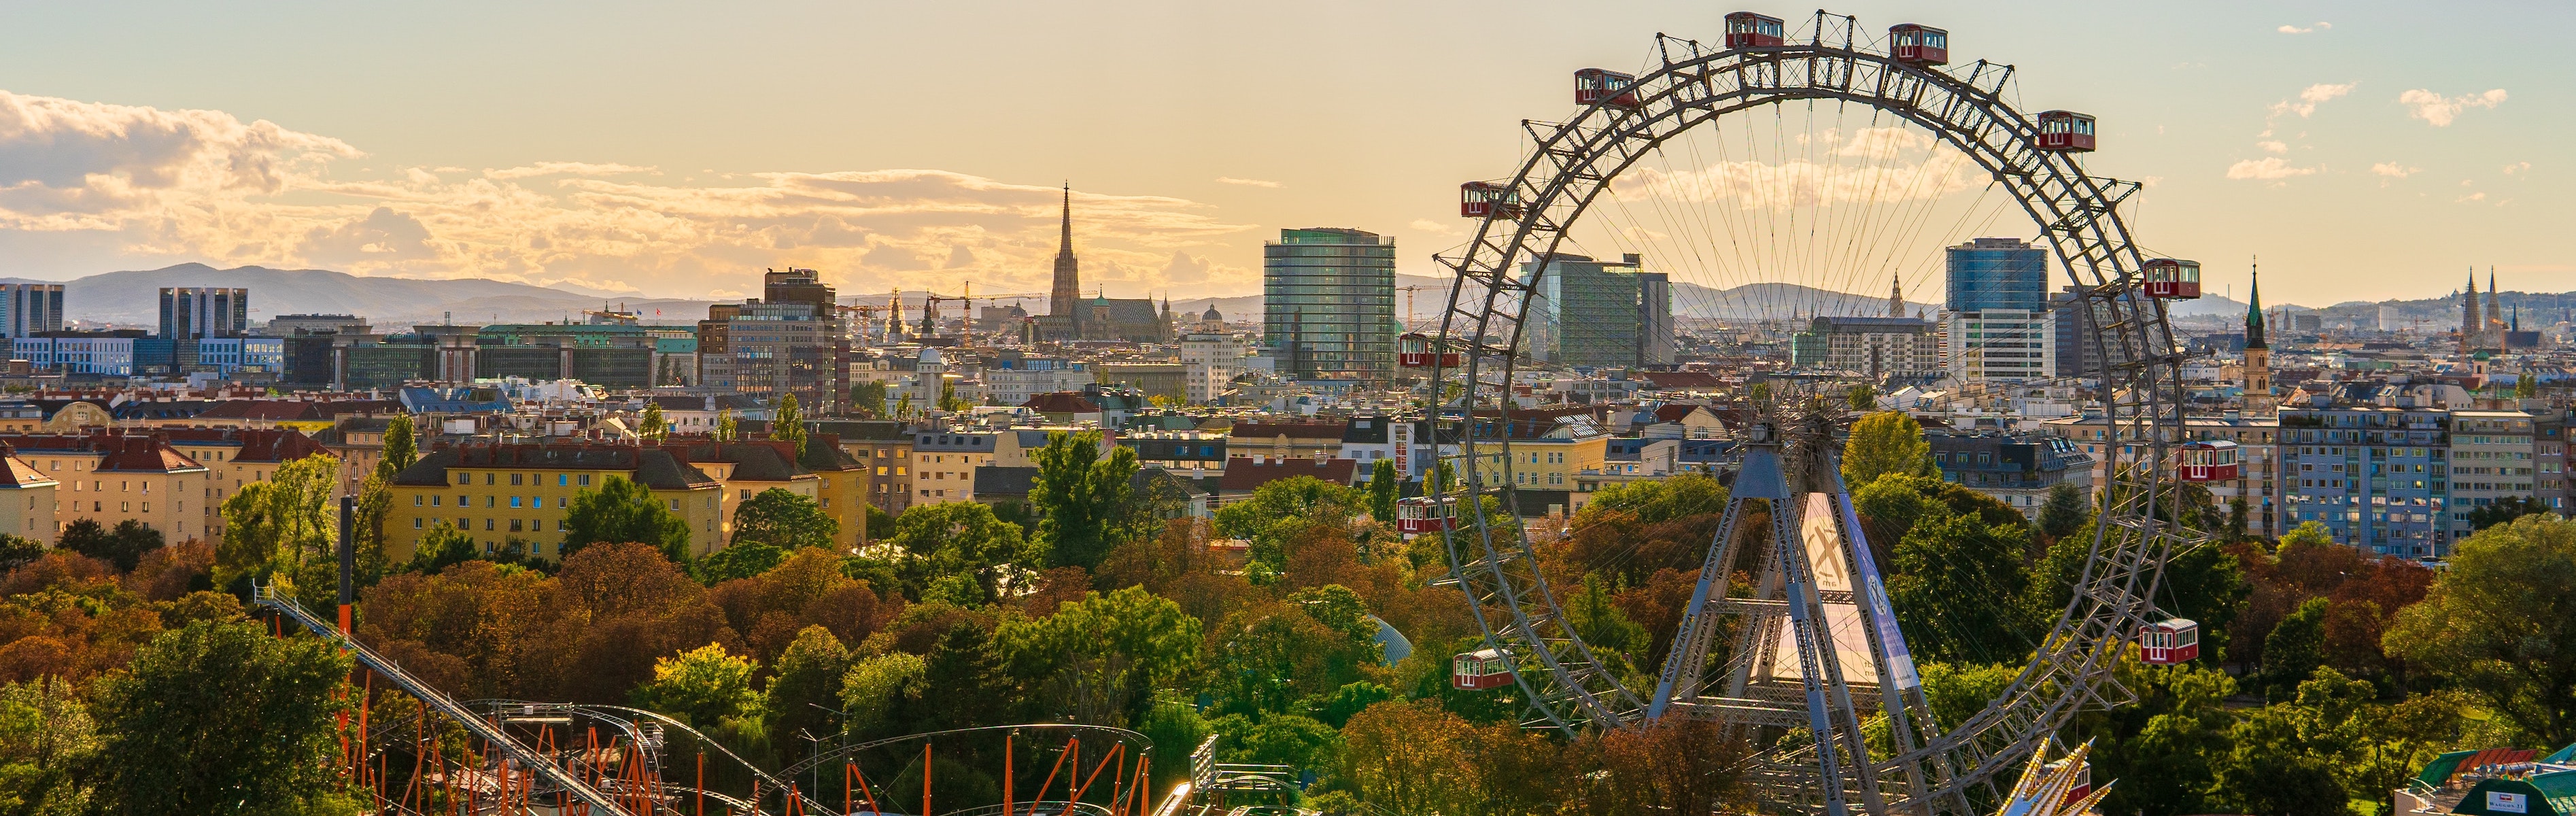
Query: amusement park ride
[[1794, 663]]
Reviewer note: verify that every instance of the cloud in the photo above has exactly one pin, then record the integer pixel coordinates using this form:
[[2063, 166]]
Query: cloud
[[2394, 170], [1185, 269], [2517, 167], [2470, 198], [1435, 227], [2272, 147], [1247, 182], [206, 185], [2310, 97], [2270, 168], [2292, 29], [567, 169], [2440, 111]]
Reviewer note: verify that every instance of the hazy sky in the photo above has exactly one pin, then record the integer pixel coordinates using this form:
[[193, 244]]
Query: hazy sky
[[2364, 150]]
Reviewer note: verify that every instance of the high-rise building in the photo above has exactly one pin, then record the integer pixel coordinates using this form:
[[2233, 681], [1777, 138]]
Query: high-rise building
[[1598, 313], [197, 313], [1997, 324], [28, 309], [788, 342], [1328, 301]]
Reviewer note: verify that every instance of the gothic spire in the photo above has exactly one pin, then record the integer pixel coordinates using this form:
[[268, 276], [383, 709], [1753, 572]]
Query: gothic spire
[[1895, 296], [1064, 247], [2254, 312]]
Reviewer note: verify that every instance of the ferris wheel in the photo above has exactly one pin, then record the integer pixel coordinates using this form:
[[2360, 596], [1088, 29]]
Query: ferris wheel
[[1768, 176]]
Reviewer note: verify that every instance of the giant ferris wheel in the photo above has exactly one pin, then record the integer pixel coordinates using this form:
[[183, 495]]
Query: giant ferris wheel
[[1772, 172]]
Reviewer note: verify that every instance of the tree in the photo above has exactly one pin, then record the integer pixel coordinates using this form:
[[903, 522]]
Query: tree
[[220, 718], [620, 510], [2500, 624], [1083, 499], [402, 446], [122, 547], [441, 547], [375, 504], [868, 400], [881, 693], [784, 520], [1861, 397], [47, 741], [651, 425], [1102, 656], [903, 406], [789, 425], [807, 685], [705, 687], [2295, 648], [17, 549], [744, 560], [1405, 757], [1950, 577], [724, 425], [957, 677], [1883, 443], [279, 522], [2525, 386], [1654, 502], [961, 538], [2065, 512], [1384, 488], [2504, 510]]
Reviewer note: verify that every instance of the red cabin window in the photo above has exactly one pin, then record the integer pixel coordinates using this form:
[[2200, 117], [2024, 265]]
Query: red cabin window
[[1915, 44], [1745, 28], [1480, 670], [2171, 279], [1595, 85], [1479, 199], [2065, 131], [1424, 514], [2207, 461], [1416, 350], [2169, 641]]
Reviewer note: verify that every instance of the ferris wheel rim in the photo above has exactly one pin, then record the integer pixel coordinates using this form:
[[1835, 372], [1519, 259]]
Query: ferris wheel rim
[[2080, 221]]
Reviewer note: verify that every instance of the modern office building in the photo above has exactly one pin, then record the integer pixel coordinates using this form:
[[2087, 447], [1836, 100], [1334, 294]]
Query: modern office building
[[1587, 312], [30, 309], [1328, 298], [790, 341], [197, 313], [1997, 323]]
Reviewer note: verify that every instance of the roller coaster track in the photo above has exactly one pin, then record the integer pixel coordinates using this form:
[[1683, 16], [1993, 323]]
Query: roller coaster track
[[601, 804]]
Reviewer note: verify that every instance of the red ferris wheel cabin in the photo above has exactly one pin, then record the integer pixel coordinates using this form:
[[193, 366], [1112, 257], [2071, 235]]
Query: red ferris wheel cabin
[[1918, 44], [1604, 86], [1745, 28], [2066, 131]]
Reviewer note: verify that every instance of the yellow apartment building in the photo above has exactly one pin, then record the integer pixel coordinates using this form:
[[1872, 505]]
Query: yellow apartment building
[[110, 476], [26, 498], [234, 457], [497, 490]]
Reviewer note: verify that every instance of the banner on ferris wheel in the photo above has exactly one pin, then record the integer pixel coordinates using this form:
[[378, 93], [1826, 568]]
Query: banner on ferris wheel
[[1900, 660]]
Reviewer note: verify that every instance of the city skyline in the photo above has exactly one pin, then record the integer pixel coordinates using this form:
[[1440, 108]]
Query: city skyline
[[670, 155]]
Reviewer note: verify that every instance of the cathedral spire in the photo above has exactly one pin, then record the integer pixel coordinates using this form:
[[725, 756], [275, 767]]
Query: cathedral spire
[[2470, 325], [1064, 246], [1895, 296], [1064, 300], [2254, 312]]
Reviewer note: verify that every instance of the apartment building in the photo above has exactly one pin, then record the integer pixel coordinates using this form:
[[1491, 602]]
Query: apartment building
[[496, 491], [2259, 475], [110, 476], [26, 498], [234, 457], [2493, 457]]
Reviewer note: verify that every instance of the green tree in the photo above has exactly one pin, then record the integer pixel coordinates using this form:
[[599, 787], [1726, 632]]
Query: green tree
[[221, 718], [724, 425], [1657, 501], [1883, 443], [1104, 655], [375, 504], [441, 547], [1602, 625], [1946, 577], [2526, 386], [961, 538], [868, 400], [807, 685], [789, 425], [2504, 510], [17, 549], [744, 560], [1384, 488], [957, 678], [122, 547], [903, 406], [1084, 500], [881, 692], [704, 687], [402, 447], [651, 425], [279, 522], [620, 510], [1861, 397], [2065, 512], [783, 519], [2295, 648], [47, 742], [2500, 624]]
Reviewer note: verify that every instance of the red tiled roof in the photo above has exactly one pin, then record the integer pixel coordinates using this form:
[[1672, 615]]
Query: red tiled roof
[[1243, 474], [16, 472], [271, 445], [1674, 413]]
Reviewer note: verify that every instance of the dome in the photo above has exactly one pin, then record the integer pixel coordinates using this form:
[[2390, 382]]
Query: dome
[[1211, 315], [930, 355]]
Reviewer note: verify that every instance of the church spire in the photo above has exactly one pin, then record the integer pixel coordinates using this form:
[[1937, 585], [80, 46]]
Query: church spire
[[1895, 296], [2470, 325], [1064, 300], [2254, 312], [1064, 246]]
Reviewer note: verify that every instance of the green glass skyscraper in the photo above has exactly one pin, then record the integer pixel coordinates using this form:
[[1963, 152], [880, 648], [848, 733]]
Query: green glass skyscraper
[[1328, 304]]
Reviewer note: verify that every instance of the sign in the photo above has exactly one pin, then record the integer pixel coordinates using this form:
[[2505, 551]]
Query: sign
[[2502, 802], [1882, 615]]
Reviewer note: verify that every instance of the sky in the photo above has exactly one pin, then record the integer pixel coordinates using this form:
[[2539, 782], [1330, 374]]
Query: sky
[[2364, 150]]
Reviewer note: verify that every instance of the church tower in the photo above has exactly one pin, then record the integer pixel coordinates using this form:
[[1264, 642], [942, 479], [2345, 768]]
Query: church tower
[[2258, 352], [1064, 301], [2493, 336], [1895, 296], [2470, 325]]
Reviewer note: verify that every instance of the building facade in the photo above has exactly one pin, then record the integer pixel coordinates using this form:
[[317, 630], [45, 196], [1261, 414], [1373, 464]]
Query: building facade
[[1586, 312], [1328, 301], [29, 309], [1874, 347], [197, 313]]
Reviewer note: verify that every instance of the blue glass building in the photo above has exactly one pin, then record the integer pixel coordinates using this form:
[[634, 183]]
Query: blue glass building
[[1998, 273]]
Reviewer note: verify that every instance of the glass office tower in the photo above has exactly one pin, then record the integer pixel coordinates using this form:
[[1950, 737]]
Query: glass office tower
[[1328, 300]]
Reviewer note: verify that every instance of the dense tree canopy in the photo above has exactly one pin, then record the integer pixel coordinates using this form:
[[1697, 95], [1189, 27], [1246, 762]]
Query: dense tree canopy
[[619, 510], [783, 519], [1883, 443], [221, 718]]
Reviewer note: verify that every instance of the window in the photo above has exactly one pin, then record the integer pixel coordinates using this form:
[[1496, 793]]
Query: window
[[514, 503], [415, 523], [433, 500], [585, 480], [415, 501], [464, 478], [514, 479], [562, 479], [489, 478]]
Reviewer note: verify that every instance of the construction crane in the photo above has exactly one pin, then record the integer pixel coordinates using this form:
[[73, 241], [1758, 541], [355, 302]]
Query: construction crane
[[1408, 302]]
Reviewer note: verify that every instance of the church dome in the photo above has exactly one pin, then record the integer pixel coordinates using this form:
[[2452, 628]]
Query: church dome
[[1211, 315]]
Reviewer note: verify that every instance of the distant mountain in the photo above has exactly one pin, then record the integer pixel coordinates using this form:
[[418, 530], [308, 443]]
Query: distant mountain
[[132, 297]]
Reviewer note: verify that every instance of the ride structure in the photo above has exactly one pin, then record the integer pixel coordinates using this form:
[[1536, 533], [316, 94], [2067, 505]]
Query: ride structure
[[1813, 645]]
